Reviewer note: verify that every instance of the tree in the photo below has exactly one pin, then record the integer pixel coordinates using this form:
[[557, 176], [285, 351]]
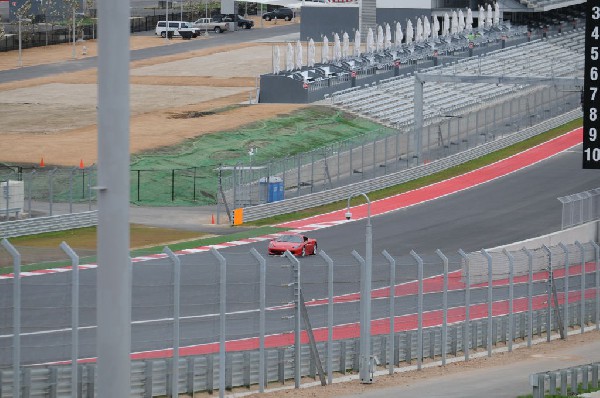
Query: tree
[[25, 16]]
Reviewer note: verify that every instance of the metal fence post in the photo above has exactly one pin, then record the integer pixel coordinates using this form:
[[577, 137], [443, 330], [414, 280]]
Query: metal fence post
[[489, 301], [365, 323], [71, 176], [466, 328], [74, 315], [550, 277], [51, 188], [222, 315], [299, 160], [176, 312], [444, 344], [566, 291], [30, 192], [329, 262], [582, 303], [419, 261], [297, 321], [529, 296], [262, 319], [16, 316], [511, 295], [597, 261], [392, 310]]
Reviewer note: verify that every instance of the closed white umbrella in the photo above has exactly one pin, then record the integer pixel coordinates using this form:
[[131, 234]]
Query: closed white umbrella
[[409, 32], [496, 14], [481, 18], [426, 29], [399, 35], [357, 43], [289, 57], [299, 55], [461, 21], [419, 29], [469, 21], [370, 41], [387, 44], [446, 25], [325, 50], [454, 23], [380, 39], [337, 48], [276, 60], [436, 27], [311, 53], [345, 45], [488, 16]]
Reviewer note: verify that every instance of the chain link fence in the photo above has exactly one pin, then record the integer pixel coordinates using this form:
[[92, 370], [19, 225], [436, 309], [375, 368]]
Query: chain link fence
[[436, 306], [377, 154]]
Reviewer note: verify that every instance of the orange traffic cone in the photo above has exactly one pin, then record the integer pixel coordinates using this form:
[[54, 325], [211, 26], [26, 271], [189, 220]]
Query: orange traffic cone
[[212, 219], [42, 162], [81, 164]]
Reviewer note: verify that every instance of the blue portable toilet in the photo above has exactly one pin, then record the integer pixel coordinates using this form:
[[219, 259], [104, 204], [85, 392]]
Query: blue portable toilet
[[271, 189]]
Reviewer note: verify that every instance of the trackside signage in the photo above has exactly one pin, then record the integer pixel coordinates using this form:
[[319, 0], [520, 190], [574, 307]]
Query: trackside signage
[[590, 95]]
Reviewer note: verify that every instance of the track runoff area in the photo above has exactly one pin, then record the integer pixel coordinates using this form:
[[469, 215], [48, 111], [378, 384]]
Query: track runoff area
[[432, 284]]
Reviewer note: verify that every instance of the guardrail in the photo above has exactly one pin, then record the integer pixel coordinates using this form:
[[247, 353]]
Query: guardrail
[[565, 381], [266, 210], [150, 378], [39, 225]]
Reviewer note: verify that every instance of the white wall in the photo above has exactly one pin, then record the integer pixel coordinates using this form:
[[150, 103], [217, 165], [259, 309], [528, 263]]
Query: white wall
[[227, 7], [425, 4]]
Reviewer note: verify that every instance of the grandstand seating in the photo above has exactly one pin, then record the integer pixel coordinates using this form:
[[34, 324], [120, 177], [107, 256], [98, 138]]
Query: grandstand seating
[[391, 101]]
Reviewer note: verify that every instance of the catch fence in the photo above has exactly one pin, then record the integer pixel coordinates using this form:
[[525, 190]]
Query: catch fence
[[381, 153], [580, 208], [424, 307]]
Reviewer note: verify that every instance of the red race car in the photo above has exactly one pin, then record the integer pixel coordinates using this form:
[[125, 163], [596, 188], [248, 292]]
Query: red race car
[[298, 245]]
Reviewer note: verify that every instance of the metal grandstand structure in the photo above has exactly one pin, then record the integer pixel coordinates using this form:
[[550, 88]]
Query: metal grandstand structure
[[391, 101]]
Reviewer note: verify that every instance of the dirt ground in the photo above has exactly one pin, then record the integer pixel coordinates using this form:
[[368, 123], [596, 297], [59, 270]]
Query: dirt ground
[[54, 117]]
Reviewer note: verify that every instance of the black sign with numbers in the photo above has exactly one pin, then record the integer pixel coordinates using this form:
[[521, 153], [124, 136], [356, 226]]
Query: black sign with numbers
[[591, 96]]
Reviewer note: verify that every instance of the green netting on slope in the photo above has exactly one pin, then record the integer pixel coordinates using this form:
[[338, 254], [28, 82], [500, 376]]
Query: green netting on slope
[[186, 173]]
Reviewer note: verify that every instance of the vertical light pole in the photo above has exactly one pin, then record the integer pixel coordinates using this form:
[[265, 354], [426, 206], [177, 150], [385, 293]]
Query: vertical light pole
[[167, 19], [365, 296], [181, 10], [73, 53], [20, 48], [114, 265]]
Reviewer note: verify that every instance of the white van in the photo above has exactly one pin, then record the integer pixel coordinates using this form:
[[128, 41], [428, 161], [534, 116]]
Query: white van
[[175, 27]]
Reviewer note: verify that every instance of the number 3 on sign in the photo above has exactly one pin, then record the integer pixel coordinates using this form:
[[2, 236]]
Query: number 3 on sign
[[596, 12]]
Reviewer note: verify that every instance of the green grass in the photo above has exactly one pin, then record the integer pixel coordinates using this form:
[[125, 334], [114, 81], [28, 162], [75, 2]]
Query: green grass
[[198, 159]]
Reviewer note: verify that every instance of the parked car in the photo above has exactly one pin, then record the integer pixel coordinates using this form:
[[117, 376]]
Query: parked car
[[280, 13], [175, 27], [298, 245], [211, 24], [240, 21]]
